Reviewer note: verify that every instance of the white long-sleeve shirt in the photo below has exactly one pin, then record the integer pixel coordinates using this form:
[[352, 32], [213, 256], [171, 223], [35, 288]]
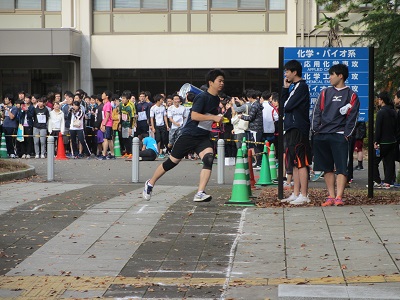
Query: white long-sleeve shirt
[[56, 121]]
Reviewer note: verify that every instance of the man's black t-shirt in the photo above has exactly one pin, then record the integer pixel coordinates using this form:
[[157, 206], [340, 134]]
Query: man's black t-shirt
[[205, 104]]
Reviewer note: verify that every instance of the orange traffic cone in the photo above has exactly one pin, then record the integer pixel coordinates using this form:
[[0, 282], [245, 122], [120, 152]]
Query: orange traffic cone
[[60, 148]]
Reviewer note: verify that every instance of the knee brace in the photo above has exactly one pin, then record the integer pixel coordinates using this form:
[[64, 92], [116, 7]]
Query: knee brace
[[168, 165], [208, 160]]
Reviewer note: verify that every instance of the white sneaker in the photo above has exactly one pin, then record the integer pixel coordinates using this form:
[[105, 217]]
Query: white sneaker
[[300, 200], [202, 197], [36, 156], [12, 155], [42, 156], [292, 197], [23, 156], [148, 189], [28, 156]]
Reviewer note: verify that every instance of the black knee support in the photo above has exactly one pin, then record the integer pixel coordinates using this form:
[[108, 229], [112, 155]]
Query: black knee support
[[168, 165], [208, 160]]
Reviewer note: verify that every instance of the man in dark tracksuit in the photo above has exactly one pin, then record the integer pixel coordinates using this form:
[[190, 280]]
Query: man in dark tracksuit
[[297, 128], [386, 132], [333, 122]]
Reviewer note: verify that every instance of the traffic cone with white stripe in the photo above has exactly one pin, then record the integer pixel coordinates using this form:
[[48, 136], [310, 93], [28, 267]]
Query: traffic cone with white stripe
[[272, 163], [240, 190], [3, 147], [265, 175]]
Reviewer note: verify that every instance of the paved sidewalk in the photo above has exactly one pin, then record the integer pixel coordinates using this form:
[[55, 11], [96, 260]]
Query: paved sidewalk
[[87, 240]]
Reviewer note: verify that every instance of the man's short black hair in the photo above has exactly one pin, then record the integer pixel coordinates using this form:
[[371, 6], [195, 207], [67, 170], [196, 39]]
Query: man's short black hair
[[384, 96], [127, 94], [340, 69], [108, 94], [294, 65], [158, 97], [213, 74], [266, 95], [275, 96], [69, 94]]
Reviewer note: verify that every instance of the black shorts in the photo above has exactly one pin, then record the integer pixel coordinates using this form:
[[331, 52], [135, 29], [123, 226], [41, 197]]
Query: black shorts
[[330, 153], [108, 134], [186, 143], [142, 128], [297, 149]]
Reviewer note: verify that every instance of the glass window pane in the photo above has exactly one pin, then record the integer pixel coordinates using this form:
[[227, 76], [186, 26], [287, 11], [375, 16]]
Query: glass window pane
[[101, 5], [155, 4], [179, 4], [6, 4], [199, 5], [127, 4], [53, 5], [29, 4], [277, 4], [224, 4], [252, 4]]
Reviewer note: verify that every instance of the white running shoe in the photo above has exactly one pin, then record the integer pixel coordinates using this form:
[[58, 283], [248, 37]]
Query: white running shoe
[[300, 200], [28, 156], [292, 197], [147, 190], [12, 155], [42, 156], [202, 197], [23, 156], [37, 156]]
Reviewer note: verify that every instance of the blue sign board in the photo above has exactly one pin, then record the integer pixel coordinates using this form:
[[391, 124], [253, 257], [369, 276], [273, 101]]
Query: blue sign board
[[317, 61]]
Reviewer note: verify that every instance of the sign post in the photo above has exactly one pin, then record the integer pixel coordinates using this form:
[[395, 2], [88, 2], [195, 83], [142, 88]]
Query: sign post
[[316, 62]]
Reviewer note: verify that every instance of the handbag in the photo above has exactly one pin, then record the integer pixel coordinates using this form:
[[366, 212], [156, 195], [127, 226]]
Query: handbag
[[20, 133], [76, 123], [244, 125]]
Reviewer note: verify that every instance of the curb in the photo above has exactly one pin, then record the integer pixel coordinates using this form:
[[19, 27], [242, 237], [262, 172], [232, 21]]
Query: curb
[[18, 174]]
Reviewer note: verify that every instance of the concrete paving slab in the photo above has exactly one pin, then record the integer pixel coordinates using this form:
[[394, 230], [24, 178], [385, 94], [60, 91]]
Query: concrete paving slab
[[310, 292]]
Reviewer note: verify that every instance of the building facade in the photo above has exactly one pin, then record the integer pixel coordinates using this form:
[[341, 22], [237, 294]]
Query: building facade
[[155, 45]]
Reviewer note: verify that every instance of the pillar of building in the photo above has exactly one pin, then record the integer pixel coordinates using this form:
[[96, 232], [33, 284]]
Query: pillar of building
[[85, 15]]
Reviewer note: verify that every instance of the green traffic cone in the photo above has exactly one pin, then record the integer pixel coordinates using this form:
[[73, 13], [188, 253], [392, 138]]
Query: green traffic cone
[[265, 175], [3, 147], [240, 193], [272, 163], [117, 147]]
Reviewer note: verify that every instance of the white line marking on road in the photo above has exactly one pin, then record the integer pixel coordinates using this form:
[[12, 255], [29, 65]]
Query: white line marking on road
[[37, 207], [142, 209], [232, 254]]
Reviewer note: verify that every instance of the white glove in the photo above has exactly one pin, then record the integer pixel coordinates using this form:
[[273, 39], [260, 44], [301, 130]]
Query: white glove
[[343, 110]]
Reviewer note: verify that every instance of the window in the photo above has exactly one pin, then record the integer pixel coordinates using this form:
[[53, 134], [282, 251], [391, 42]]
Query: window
[[179, 4], [127, 4], [53, 5], [7, 4], [101, 5], [277, 4], [252, 4], [226, 4], [29, 4], [155, 4], [199, 5]]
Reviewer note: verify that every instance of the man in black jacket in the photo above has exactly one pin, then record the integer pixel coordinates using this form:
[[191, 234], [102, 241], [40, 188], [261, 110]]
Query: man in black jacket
[[385, 141], [297, 127]]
